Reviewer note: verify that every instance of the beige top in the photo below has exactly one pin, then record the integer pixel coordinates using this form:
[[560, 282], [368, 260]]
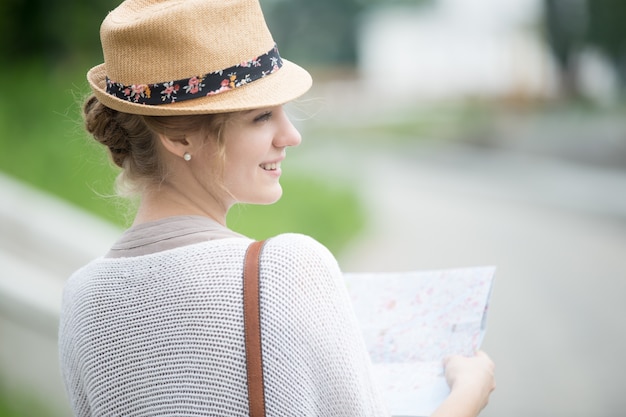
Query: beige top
[[168, 233]]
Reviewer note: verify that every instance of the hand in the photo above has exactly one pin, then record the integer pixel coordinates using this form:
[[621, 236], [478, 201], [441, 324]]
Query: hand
[[472, 378]]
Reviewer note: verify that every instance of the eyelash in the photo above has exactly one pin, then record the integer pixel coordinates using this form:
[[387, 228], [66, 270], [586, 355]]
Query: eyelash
[[264, 117]]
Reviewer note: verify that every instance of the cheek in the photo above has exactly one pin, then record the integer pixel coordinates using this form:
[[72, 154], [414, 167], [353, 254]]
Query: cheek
[[242, 160], [238, 175]]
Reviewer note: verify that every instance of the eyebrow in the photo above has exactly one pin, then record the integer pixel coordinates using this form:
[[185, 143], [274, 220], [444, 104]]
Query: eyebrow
[[257, 109]]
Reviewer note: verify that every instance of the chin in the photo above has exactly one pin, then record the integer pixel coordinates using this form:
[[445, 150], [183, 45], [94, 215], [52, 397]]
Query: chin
[[273, 199], [267, 198]]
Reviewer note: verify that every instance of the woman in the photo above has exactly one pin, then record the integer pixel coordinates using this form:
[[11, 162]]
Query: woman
[[189, 104]]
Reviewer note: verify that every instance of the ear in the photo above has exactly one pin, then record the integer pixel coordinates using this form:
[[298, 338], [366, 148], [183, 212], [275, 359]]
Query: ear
[[176, 146]]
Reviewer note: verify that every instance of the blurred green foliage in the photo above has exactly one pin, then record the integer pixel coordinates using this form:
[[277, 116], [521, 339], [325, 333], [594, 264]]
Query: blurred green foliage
[[42, 140], [608, 31], [51, 30], [14, 403], [572, 25], [321, 32], [68, 30], [331, 213]]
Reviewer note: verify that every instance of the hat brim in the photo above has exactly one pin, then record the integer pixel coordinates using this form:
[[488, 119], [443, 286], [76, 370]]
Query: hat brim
[[280, 87]]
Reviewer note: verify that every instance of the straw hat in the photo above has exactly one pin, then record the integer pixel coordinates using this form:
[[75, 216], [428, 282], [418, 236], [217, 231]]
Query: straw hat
[[174, 57]]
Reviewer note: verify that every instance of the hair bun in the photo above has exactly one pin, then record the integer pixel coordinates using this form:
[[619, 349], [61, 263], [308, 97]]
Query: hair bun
[[103, 123]]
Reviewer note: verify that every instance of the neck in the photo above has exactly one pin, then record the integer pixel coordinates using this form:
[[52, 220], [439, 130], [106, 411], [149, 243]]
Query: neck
[[166, 201]]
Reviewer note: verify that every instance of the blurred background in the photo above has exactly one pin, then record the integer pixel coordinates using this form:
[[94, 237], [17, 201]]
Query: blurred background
[[439, 134]]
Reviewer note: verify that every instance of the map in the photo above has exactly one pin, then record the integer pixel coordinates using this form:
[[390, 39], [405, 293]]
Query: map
[[411, 321]]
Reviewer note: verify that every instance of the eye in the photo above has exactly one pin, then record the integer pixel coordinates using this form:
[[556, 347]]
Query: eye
[[263, 117]]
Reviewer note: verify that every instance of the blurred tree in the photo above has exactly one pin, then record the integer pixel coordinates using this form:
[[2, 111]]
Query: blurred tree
[[566, 25], [50, 29], [572, 25], [319, 32], [607, 31]]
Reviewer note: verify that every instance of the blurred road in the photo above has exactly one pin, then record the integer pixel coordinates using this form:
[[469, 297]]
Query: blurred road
[[556, 232]]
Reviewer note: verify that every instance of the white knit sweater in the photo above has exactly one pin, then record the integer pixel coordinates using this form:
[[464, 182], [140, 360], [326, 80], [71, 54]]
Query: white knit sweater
[[162, 334]]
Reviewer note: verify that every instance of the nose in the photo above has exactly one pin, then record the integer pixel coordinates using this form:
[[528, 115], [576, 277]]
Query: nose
[[287, 134]]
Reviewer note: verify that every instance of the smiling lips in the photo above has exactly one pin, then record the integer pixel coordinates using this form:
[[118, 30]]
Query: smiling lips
[[271, 166]]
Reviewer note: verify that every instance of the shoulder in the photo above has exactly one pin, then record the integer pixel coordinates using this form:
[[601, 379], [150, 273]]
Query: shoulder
[[297, 241], [81, 278], [300, 280], [295, 263], [298, 250]]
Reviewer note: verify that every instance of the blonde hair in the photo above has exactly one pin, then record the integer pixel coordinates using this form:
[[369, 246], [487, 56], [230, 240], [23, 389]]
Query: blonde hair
[[132, 139]]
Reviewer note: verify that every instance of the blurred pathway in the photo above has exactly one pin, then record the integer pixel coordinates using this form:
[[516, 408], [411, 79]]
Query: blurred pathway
[[557, 233]]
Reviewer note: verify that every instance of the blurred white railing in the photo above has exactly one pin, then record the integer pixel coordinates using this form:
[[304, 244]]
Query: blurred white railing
[[42, 241]]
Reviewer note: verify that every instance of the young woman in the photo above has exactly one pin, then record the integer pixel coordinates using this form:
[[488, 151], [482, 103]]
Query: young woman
[[189, 104]]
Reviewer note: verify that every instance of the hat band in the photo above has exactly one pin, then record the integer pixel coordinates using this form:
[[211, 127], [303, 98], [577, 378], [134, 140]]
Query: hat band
[[198, 86]]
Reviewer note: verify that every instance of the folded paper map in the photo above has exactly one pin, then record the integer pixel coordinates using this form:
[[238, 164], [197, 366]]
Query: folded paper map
[[411, 321]]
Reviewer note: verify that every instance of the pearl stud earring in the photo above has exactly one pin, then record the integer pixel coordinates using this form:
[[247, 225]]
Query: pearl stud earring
[[187, 156]]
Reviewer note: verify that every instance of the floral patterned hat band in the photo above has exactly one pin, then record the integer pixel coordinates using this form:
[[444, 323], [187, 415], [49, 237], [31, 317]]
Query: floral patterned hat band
[[198, 86]]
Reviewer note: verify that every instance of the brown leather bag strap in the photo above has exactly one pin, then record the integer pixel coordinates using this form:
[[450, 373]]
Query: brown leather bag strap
[[252, 330]]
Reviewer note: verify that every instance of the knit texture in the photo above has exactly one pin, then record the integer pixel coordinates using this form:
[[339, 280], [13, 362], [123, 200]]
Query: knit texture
[[162, 334]]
